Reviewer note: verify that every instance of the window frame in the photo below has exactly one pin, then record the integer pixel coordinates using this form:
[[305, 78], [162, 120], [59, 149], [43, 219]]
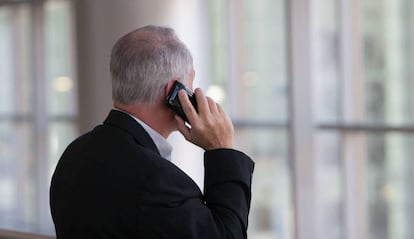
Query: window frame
[[38, 118]]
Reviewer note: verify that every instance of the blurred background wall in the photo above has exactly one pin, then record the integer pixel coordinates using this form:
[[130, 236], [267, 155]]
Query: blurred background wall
[[319, 92]]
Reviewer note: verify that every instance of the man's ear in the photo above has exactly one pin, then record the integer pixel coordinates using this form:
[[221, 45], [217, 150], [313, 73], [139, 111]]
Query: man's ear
[[168, 86]]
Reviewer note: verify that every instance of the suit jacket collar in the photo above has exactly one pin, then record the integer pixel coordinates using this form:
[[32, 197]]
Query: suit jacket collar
[[125, 122]]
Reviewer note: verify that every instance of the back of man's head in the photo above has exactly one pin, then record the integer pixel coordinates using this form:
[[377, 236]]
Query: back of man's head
[[143, 61]]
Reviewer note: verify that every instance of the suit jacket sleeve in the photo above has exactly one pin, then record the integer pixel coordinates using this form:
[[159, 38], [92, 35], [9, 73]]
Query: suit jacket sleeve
[[223, 211], [228, 175]]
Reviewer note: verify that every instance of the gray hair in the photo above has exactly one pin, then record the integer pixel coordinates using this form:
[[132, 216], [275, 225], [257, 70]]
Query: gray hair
[[144, 60]]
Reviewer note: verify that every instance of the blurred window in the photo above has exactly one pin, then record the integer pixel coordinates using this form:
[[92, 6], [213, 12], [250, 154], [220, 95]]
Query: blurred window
[[38, 107], [363, 113], [250, 78]]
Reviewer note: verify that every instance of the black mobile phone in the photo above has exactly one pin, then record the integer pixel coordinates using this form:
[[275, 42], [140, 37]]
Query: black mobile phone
[[173, 102]]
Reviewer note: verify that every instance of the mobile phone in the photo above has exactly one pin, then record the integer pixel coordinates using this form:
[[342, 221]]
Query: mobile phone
[[173, 102]]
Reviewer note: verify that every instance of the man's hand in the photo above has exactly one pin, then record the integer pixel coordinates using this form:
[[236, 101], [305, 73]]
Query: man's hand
[[211, 127]]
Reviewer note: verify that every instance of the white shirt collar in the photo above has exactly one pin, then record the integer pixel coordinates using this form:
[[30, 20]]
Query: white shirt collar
[[164, 147]]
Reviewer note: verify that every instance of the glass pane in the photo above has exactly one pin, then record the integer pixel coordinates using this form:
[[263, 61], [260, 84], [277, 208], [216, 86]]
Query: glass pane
[[330, 192], [219, 46], [15, 72], [59, 58], [257, 88], [326, 63], [390, 173], [17, 177], [6, 69], [388, 41], [61, 134], [263, 86], [271, 214]]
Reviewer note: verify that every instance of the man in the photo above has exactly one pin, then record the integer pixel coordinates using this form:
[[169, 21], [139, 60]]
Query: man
[[116, 181]]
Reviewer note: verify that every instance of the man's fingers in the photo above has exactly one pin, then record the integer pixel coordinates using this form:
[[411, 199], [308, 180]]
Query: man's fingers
[[187, 107], [210, 127], [202, 103], [219, 108]]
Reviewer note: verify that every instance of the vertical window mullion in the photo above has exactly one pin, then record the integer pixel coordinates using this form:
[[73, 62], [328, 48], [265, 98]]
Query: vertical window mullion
[[235, 52], [353, 143], [21, 175], [301, 118], [41, 117]]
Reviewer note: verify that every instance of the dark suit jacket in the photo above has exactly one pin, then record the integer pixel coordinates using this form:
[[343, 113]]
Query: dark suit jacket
[[113, 183]]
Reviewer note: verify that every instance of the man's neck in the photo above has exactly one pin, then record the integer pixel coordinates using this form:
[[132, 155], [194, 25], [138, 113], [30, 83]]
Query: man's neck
[[156, 117]]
